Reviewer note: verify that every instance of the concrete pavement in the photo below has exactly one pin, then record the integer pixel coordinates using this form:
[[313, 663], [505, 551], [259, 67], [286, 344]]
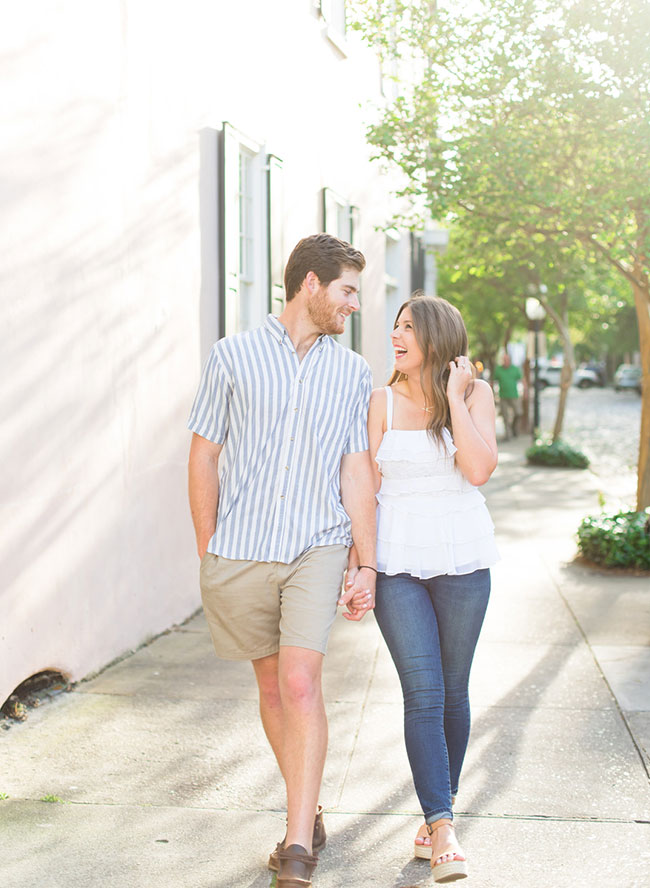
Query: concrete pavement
[[165, 779]]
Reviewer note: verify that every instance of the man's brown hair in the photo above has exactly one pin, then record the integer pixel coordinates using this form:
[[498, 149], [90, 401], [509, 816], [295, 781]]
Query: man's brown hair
[[323, 254]]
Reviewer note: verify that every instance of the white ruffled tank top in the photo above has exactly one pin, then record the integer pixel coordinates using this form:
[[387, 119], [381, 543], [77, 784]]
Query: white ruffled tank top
[[430, 519]]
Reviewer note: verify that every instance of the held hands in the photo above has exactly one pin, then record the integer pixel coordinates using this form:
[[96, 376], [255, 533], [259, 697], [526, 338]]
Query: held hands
[[359, 593], [460, 376]]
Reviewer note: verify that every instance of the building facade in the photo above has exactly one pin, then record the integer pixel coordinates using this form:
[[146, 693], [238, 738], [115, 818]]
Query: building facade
[[159, 163]]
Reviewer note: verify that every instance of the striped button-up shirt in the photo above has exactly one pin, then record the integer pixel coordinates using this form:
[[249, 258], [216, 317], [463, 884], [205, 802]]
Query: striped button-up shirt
[[285, 424]]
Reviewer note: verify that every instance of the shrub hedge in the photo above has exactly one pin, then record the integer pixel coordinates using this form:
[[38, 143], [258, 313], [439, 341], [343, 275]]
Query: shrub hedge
[[556, 453], [621, 540]]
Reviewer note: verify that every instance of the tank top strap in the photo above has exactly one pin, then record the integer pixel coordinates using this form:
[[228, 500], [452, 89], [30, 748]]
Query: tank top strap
[[389, 407]]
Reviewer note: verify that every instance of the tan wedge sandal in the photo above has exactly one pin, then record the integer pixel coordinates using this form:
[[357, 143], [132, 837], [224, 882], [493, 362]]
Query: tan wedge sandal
[[421, 850], [451, 870]]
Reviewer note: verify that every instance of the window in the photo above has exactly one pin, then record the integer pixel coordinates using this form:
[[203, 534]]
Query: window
[[250, 233], [417, 262], [434, 241], [394, 295], [341, 219]]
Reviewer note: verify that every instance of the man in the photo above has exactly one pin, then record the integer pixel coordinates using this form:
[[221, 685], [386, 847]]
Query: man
[[507, 375], [279, 481]]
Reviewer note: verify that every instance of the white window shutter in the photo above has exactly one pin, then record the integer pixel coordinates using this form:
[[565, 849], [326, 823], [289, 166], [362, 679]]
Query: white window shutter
[[354, 226], [275, 195], [230, 243]]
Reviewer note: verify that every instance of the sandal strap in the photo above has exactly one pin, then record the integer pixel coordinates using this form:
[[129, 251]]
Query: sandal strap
[[432, 827], [309, 859], [457, 854]]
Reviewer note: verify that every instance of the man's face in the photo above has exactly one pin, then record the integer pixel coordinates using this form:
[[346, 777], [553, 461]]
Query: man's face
[[329, 307]]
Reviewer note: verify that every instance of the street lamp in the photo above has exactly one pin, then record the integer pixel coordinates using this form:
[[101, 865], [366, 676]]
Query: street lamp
[[535, 313]]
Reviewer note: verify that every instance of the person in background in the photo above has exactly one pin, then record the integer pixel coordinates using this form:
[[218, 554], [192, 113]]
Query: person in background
[[508, 376]]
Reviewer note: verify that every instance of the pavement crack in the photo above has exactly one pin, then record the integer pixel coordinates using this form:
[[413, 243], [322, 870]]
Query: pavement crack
[[358, 726]]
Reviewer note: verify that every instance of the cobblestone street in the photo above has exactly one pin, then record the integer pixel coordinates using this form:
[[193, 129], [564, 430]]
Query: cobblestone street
[[605, 425]]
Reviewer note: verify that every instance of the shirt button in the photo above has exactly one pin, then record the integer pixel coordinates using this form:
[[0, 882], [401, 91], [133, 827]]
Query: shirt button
[[300, 380], [287, 468], [295, 409], [291, 439], [281, 496]]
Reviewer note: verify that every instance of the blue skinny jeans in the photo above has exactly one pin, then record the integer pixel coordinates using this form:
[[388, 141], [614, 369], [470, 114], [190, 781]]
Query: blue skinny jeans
[[431, 628]]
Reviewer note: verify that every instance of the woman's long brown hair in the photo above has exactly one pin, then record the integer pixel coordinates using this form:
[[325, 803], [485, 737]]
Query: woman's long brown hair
[[441, 336]]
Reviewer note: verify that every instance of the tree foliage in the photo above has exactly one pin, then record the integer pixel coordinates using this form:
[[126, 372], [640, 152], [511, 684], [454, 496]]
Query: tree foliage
[[607, 328], [531, 117], [477, 277], [490, 278]]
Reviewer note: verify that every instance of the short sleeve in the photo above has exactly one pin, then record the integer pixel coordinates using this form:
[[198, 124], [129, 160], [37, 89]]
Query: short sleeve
[[358, 437], [209, 417]]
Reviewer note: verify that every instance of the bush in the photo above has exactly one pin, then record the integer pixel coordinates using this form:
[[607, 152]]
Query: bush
[[556, 453], [621, 540]]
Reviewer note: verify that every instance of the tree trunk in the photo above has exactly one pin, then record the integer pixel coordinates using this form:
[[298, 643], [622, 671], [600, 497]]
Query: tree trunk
[[568, 369], [524, 419], [642, 301], [561, 321]]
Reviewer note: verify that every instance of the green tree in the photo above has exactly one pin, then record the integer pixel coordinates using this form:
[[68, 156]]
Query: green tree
[[490, 278], [531, 117], [474, 276], [608, 329]]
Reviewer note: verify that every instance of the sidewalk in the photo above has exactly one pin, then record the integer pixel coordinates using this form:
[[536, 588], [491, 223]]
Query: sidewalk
[[166, 778]]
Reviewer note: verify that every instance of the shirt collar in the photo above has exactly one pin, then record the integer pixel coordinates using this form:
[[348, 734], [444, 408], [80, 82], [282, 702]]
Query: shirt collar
[[279, 332]]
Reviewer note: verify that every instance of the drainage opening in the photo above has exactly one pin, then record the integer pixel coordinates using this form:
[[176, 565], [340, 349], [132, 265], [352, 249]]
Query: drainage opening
[[33, 692]]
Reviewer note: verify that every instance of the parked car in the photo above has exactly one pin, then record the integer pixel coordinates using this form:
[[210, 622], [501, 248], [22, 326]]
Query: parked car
[[627, 376], [598, 368], [551, 371], [588, 376]]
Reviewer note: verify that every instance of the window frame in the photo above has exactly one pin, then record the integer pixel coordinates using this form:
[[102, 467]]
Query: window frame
[[348, 214], [244, 301]]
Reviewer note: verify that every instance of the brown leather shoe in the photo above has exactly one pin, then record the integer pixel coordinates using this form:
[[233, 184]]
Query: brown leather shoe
[[317, 843], [296, 867]]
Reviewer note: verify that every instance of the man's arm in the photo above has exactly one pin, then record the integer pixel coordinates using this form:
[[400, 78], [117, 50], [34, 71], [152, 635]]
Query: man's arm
[[203, 487], [358, 496]]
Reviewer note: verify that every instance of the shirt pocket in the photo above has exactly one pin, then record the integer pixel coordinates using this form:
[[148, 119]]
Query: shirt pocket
[[329, 415]]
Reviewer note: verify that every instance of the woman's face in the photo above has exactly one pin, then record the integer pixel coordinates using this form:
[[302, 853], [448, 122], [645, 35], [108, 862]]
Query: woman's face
[[408, 357]]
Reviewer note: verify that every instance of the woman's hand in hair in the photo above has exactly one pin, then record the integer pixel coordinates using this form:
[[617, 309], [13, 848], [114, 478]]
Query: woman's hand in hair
[[461, 374], [472, 428]]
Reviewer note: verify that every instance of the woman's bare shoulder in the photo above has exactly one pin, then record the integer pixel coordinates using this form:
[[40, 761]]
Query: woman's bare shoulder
[[481, 392], [378, 400]]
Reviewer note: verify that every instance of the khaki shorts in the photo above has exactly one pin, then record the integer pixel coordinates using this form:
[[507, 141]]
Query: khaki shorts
[[254, 607]]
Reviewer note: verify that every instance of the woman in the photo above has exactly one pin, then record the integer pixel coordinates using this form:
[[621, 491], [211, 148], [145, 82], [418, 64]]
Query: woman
[[432, 436]]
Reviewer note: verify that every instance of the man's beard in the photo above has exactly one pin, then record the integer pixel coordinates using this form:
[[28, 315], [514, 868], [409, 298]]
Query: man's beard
[[324, 314]]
